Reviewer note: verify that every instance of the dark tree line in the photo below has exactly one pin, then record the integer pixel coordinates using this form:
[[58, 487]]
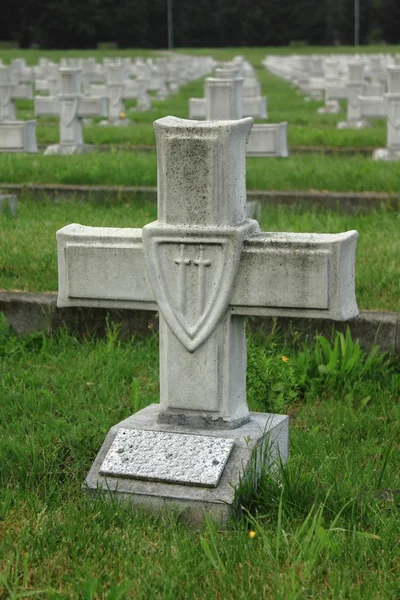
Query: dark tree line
[[207, 23]]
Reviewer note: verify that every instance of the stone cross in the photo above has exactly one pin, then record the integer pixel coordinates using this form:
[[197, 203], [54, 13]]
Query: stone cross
[[15, 136], [10, 91], [204, 266], [224, 97], [355, 88], [377, 72], [71, 106], [392, 109], [224, 101], [117, 89], [249, 102], [335, 90]]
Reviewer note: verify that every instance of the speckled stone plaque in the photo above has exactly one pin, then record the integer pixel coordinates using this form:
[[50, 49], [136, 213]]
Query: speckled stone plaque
[[167, 457]]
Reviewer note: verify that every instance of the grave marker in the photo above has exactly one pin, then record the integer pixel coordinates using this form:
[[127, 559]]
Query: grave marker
[[15, 136], [205, 266], [355, 88], [11, 90], [392, 109], [71, 106], [224, 100], [117, 89]]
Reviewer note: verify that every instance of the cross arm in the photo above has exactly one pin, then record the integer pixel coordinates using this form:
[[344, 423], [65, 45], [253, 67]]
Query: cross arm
[[96, 90], [298, 275], [288, 274], [103, 267], [372, 107], [130, 90], [92, 107], [22, 91], [46, 106]]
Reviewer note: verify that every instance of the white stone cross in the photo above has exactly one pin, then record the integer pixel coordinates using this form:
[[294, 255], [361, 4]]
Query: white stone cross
[[392, 110], [335, 89], [15, 136], [9, 92], [224, 100], [205, 266], [71, 106], [229, 96], [117, 89], [201, 215], [356, 88]]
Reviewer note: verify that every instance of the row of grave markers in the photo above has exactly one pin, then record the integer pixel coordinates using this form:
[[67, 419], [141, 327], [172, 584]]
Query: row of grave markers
[[67, 101], [369, 84], [233, 93]]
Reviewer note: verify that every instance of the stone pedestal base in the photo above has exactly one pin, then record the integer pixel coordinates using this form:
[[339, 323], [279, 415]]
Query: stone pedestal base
[[361, 124], [65, 149], [385, 154], [173, 482], [18, 136]]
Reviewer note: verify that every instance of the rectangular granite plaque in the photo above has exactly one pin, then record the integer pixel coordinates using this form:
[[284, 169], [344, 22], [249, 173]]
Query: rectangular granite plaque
[[167, 457]]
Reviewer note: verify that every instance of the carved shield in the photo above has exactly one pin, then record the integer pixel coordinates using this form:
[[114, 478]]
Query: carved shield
[[392, 107], [68, 111], [192, 279]]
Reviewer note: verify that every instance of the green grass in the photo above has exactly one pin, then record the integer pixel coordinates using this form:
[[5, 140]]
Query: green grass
[[28, 247], [328, 529], [298, 172]]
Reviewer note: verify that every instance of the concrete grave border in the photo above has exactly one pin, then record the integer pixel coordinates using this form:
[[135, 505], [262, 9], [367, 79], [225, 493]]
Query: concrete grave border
[[345, 201], [30, 312]]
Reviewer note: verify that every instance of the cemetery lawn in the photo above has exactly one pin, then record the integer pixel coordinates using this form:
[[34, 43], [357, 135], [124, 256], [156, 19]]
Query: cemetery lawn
[[355, 173], [329, 528], [28, 253]]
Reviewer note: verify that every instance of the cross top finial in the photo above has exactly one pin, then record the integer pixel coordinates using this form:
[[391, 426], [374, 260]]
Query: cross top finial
[[70, 81], [202, 171], [393, 79]]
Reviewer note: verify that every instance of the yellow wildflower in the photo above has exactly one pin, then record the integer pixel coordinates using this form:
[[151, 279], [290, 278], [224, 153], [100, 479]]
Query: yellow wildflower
[[285, 359], [252, 534]]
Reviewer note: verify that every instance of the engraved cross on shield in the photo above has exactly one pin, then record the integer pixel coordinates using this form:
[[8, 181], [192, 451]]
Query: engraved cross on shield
[[193, 287], [192, 279]]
